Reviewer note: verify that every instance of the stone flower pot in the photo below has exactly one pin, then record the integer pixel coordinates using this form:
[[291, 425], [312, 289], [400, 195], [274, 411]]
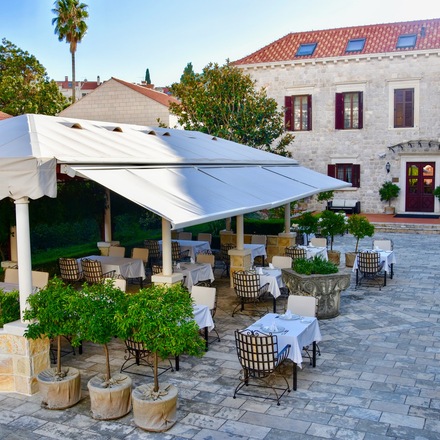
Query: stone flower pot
[[155, 415], [326, 288], [59, 393]]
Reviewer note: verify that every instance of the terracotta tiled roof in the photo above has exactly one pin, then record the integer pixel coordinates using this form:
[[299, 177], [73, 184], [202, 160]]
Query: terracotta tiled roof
[[379, 38], [159, 97], [4, 115]]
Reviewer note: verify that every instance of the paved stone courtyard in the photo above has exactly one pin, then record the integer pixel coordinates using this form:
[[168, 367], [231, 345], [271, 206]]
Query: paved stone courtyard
[[378, 376]]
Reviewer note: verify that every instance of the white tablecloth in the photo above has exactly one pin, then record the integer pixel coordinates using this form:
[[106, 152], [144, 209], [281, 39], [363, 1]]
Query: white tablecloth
[[388, 257], [8, 287], [127, 267], [203, 317], [312, 251], [194, 246], [298, 336], [273, 277], [195, 272], [257, 250]]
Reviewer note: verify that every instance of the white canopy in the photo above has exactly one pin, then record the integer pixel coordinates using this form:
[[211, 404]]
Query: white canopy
[[185, 177]]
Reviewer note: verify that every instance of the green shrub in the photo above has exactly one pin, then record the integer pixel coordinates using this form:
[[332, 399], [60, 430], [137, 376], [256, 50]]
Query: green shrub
[[317, 265], [9, 307]]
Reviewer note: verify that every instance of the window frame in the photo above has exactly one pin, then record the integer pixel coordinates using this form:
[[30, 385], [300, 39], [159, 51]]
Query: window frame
[[402, 38], [404, 106], [332, 171], [355, 41], [289, 118], [340, 111], [308, 48]]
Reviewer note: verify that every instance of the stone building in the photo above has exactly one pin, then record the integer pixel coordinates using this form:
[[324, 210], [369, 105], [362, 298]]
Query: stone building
[[83, 88], [120, 101], [364, 105]]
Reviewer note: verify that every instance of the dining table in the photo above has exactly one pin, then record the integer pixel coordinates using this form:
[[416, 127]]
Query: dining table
[[194, 272], [126, 267], [294, 330], [257, 250], [193, 246], [273, 277], [387, 257], [313, 251], [8, 287]]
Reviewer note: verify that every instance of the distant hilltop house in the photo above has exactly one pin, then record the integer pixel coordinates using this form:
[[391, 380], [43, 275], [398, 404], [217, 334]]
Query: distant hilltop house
[[116, 100], [364, 105], [83, 88]]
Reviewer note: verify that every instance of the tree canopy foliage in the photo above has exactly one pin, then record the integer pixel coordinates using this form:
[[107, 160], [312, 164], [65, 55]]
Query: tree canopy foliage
[[24, 84], [225, 102]]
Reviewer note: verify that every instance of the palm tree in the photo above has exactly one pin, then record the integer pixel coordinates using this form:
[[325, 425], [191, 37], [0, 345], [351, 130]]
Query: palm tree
[[70, 26]]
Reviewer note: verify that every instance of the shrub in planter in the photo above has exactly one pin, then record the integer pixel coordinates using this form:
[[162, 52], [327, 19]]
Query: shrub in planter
[[316, 265], [360, 227], [161, 318], [52, 317], [388, 191], [9, 306], [307, 224], [97, 306]]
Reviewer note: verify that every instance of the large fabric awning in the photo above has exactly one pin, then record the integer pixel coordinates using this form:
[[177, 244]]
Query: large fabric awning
[[186, 177]]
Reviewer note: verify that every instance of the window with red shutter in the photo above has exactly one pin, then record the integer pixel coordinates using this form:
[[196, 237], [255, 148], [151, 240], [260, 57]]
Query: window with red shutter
[[348, 172], [298, 112], [349, 111]]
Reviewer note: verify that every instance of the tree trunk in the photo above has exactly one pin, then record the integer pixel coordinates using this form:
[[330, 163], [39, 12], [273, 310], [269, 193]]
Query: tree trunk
[[58, 354], [156, 375], [107, 363], [73, 79]]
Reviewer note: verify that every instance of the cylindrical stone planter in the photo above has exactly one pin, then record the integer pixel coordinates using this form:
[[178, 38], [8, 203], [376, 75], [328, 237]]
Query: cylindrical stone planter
[[155, 415], [112, 401], [59, 393], [326, 288]]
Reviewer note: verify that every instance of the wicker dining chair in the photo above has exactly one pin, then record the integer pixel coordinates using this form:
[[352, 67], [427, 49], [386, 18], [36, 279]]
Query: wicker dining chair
[[225, 258], [184, 235], [69, 270], [370, 268], [177, 254], [260, 359], [248, 289], [93, 273], [295, 252], [204, 236], [155, 255]]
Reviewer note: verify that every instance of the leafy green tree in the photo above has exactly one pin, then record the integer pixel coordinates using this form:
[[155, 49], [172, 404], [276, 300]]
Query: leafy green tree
[[24, 84], [224, 102], [188, 72], [70, 25]]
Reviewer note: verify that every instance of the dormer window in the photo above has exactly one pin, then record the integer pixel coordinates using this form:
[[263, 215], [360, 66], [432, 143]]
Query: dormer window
[[355, 45], [406, 41], [306, 49]]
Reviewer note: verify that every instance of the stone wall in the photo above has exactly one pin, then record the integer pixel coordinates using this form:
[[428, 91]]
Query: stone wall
[[376, 76]]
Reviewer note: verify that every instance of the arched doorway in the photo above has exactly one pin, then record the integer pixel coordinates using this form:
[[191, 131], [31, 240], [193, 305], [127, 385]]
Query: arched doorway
[[420, 184]]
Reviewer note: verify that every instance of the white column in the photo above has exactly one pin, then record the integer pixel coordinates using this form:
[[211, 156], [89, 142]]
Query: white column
[[167, 263], [240, 232], [287, 217], [107, 217], [23, 251]]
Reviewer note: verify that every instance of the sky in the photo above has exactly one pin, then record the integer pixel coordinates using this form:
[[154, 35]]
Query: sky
[[126, 38]]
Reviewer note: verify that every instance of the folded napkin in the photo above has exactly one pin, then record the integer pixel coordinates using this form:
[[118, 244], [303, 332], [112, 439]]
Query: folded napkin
[[260, 271], [178, 266], [273, 327], [288, 314], [271, 266], [311, 244]]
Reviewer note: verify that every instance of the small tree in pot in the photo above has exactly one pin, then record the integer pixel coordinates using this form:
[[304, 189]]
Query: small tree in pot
[[332, 224], [52, 317], [387, 192], [307, 224], [161, 318], [360, 227], [97, 306]]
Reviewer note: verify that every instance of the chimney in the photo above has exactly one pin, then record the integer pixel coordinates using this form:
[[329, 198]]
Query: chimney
[[98, 80]]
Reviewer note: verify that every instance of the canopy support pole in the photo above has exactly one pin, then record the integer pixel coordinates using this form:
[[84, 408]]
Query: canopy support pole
[[287, 217], [240, 232], [23, 251], [107, 217]]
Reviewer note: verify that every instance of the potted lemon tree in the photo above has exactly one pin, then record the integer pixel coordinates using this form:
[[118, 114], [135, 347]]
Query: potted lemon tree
[[97, 306], [51, 316], [161, 318], [332, 224], [360, 227]]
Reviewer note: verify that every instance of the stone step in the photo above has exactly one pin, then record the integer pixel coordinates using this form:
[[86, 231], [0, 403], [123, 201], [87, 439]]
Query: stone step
[[410, 228]]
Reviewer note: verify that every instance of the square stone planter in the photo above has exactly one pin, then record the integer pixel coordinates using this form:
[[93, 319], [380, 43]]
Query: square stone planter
[[326, 288]]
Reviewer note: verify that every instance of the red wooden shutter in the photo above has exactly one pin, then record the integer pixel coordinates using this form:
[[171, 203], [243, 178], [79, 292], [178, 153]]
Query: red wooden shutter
[[339, 111], [356, 176], [309, 112], [288, 104], [361, 110], [331, 170]]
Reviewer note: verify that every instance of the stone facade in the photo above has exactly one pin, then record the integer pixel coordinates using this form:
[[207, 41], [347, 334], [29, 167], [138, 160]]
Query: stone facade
[[376, 75], [117, 101]]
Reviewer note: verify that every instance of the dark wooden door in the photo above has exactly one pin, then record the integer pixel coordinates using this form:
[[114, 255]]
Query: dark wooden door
[[420, 186]]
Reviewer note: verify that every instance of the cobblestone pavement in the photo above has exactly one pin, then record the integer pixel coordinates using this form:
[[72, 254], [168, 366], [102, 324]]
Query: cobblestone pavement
[[378, 376]]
